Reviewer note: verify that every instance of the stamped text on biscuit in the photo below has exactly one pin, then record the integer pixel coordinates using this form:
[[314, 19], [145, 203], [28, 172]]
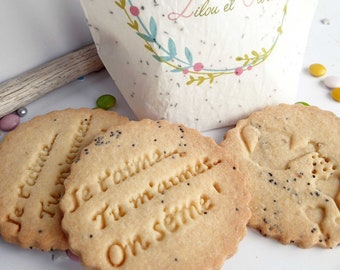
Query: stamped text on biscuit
[[171, 218], [34, 179]]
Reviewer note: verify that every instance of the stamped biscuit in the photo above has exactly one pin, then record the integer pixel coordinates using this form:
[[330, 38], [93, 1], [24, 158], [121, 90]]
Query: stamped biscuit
[[154, 195], [290, 155], [35, 159]]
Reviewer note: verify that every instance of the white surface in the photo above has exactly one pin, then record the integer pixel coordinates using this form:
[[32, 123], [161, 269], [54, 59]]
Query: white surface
[[255, 252]]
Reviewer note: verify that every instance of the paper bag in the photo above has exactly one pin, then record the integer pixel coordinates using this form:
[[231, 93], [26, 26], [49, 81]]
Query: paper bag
[[202, 63]]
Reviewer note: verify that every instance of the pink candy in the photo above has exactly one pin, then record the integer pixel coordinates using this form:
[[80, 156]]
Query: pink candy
[[9, 122], [72, 256]]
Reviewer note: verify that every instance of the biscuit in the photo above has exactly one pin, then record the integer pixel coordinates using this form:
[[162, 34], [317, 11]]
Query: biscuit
[[154, 195], [290, 156], [35, 159]]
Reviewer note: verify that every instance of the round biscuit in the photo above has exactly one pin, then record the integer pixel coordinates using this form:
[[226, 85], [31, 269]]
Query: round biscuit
[[290, 156], [35, 159], [154, 195]]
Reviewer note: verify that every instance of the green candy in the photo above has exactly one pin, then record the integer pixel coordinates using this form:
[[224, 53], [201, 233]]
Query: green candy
[[302, 103], [106, 102]]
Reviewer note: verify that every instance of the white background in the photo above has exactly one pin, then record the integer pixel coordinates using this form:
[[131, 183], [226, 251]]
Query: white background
[[33, 32]]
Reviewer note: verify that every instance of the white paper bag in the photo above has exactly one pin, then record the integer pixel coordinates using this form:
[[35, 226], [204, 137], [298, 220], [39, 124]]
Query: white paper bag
[[203, 63]]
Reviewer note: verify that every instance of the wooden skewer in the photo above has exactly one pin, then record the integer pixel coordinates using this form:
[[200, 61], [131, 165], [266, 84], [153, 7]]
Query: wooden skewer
[[31, 85]]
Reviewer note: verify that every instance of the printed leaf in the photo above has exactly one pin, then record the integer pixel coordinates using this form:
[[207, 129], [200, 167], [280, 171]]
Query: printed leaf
[[200, 80], [165, 58], [188, 55], [134, 25], [148, 47], [246, 63], [161, 58], [157, 58], [153, 28], [191, 80], [172, 48], [121, 4], [176, 70], [257, 56], [146, 37], [211, 78]]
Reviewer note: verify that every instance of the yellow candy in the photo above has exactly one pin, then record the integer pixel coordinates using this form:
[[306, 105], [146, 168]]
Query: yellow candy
[[336, 94], [317, 70]]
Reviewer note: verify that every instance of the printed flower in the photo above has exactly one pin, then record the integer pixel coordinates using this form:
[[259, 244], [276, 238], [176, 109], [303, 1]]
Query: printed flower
[[238, 71], [134, 10], [198, 67]]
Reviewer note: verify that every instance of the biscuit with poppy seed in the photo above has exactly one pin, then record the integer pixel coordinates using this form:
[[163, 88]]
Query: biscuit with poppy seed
[[154, 195], [290, 156], [35, 159]]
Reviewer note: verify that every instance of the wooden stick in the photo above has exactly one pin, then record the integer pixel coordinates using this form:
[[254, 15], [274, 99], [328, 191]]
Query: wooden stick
[[31, 85]]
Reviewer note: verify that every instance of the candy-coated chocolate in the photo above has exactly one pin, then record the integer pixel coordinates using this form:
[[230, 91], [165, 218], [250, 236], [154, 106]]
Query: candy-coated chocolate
[[106, 101], [9, 122], [303, 103], [72, 256], [317, 70], [336, 94], [21, 111], [332, 82]]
